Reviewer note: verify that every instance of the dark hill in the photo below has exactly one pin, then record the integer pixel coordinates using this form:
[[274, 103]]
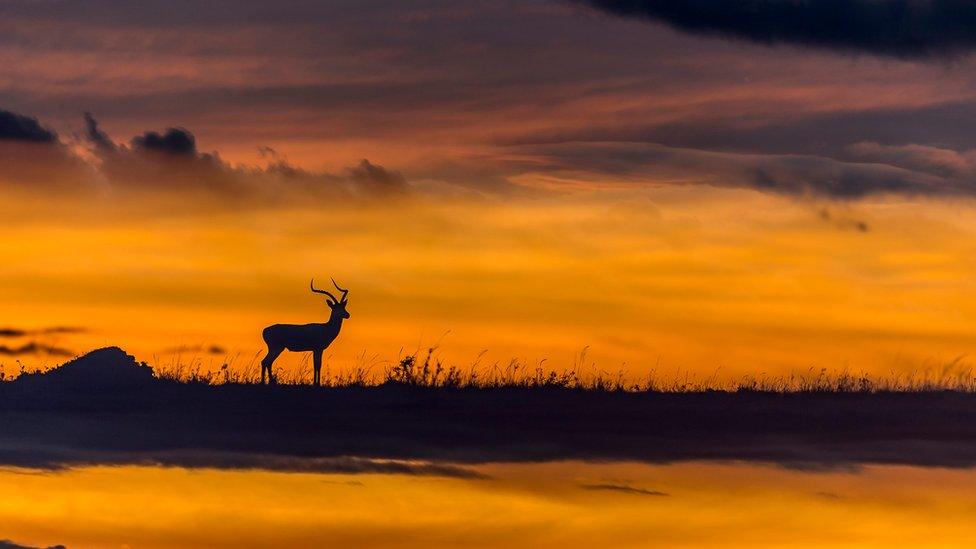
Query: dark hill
[[107, 367]]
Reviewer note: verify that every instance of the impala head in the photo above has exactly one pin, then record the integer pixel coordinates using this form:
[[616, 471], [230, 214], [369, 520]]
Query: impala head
[[338, 305]]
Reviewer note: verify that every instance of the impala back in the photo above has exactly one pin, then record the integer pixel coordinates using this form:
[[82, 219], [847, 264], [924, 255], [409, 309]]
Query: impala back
[[296, 337]]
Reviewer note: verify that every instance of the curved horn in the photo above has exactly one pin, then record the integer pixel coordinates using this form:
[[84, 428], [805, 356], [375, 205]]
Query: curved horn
[[344, 292], [311, 285]]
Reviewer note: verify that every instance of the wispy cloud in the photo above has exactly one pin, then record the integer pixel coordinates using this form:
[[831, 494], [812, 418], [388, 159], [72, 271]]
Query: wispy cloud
[[797, 175], [55, 459], [208, 349], [622, 488], [34, 348], [21, 332]]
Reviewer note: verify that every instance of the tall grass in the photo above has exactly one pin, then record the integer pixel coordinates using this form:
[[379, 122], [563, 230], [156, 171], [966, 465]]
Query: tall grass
[[426, 370], [232, 369]]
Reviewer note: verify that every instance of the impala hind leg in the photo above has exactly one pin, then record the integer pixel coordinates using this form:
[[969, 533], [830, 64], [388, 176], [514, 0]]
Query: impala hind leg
[[316, 367], [267, 361]]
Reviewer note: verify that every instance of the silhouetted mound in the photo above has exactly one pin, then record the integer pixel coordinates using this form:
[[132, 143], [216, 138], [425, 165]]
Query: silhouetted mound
[[108, 367], [7, 544]]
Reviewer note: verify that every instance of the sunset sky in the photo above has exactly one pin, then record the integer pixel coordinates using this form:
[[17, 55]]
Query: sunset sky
[[685, 195], [668, 190]]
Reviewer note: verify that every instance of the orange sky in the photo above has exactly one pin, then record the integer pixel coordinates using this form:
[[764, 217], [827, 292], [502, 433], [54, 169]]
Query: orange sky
[[542, 178], [712, 191], [671, 279]]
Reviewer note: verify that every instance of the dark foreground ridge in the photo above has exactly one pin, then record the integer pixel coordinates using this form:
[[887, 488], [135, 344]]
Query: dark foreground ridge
[[105, 408]]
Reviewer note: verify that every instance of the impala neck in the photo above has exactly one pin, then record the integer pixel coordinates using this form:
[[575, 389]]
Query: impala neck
[[335, 321]]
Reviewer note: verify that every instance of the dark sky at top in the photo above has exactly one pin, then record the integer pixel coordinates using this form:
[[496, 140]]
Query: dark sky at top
[[839, 98]]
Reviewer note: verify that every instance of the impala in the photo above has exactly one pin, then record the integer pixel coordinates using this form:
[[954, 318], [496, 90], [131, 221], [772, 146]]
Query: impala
[[306, 337]]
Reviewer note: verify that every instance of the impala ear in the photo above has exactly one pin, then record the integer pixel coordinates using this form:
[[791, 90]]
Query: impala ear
[[330, 302]]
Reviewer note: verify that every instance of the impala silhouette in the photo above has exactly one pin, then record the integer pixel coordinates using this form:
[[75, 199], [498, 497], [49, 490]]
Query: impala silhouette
[[306, 337]]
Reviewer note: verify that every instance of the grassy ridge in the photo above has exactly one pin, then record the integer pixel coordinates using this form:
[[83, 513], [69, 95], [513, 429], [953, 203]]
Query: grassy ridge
[[427, 371]]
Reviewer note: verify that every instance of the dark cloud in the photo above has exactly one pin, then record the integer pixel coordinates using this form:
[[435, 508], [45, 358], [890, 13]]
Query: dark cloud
[[843, 222], [344, 483], [157, 161], [62, 330], [96, 136], [900, 28], [622, 488], [171, 160], [376, 179], [34, 348], [7, 544], [33, 158], [176, 141], [208, 349], [17, 127], [21, 332]]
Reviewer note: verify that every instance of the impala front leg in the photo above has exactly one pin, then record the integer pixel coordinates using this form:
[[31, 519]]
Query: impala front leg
[[316, 367]]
